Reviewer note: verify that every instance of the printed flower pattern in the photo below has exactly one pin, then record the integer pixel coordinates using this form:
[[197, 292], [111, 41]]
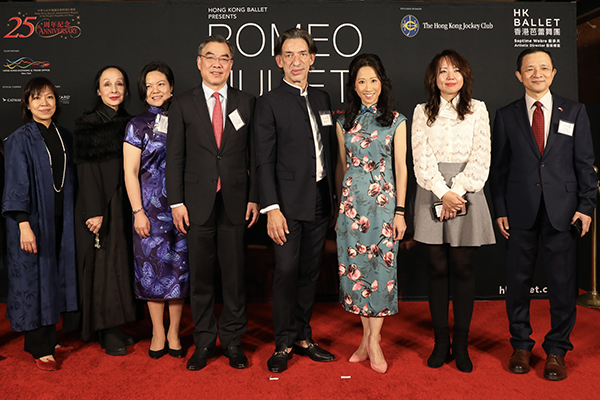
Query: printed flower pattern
[[161, 262], [366, 250]]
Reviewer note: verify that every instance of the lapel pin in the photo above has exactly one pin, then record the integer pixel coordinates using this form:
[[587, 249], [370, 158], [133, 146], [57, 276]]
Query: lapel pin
[[560, 108]]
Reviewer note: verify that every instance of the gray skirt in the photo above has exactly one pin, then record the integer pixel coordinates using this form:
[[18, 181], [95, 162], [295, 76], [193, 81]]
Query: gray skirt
[[473, 229]]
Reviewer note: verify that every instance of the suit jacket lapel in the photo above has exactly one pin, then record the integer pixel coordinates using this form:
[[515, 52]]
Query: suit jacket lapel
[[523, 120], [557, 102], [232, 105], [202, 108]]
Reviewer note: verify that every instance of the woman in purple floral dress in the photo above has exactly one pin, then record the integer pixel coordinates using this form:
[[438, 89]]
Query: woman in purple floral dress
[[161, 266], [373, 189]]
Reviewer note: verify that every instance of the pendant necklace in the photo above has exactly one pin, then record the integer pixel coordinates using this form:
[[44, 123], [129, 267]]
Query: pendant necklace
[[62, 184]]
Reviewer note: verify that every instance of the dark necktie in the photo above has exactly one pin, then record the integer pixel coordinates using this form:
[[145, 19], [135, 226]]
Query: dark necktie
[[537, 125], [217, 123]]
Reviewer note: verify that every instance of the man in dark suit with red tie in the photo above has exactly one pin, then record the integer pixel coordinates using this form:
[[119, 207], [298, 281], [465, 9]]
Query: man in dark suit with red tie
[[213, 195], [295, 153], [543, 187]]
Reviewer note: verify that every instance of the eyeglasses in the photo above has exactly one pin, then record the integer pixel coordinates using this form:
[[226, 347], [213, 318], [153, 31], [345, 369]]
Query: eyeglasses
[[210, 59]]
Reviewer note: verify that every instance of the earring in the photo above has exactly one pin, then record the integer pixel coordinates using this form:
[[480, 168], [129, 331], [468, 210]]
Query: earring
[[98, 92]]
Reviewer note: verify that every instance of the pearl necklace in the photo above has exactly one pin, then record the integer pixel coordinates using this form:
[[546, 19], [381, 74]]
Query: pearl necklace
[[62, 184]]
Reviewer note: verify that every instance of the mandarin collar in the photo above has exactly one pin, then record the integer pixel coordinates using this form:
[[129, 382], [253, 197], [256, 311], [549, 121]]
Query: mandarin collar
[[372, 109]]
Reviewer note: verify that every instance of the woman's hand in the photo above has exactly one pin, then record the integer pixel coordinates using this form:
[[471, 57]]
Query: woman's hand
[[141, 224], [28, 243], [399, 226], [94, 224], [451, 204]]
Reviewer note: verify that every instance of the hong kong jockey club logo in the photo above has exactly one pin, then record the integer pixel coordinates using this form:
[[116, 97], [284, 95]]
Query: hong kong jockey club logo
[[409, 25]]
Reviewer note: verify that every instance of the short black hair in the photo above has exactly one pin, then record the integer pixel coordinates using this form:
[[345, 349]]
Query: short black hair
[[150, 67], [532, 50], [216, 39], [33, 87], [295, 33]]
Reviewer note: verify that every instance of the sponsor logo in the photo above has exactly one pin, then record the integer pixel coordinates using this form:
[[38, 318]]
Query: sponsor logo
[[409, 25], [26, 63], [531, 29], [63, 23]]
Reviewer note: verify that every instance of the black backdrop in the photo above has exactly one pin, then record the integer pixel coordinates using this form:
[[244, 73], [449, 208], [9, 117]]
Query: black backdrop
[[69, 41]]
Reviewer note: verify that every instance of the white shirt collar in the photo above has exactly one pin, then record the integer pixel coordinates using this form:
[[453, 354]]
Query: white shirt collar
[[208, 92], [302, 92], [454, 102], [546, 101]]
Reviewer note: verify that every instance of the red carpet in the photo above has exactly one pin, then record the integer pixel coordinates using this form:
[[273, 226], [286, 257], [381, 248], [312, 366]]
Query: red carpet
[[88, 373]]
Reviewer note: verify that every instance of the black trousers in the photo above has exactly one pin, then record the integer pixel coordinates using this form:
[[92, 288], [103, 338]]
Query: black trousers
[[297, 267], [217, 239], [459, 263], [558, 258], [40, 342]]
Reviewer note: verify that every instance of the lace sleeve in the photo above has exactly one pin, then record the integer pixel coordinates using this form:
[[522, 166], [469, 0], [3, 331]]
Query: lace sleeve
[[475, 174], [425, 162]]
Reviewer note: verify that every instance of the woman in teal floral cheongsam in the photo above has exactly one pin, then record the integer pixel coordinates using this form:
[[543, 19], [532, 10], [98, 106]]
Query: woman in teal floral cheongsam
[[371, 184]]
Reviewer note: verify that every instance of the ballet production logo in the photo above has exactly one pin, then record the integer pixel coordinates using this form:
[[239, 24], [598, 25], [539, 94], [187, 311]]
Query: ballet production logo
[[409, 25]]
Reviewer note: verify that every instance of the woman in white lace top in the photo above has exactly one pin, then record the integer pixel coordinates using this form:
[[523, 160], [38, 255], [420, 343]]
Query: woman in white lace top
[[451, 153]]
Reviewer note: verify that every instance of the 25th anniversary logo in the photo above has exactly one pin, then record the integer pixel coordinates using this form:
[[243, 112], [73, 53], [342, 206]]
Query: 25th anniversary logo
[[63, 23]]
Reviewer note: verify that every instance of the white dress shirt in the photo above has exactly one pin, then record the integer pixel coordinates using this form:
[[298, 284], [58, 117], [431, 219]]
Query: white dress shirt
[[546, 101]]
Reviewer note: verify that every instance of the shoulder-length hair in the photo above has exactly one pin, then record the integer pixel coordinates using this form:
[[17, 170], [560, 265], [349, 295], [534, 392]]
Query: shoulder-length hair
[[151, 67], [98, 102], [466, 92], [385, 102], [34, 87]]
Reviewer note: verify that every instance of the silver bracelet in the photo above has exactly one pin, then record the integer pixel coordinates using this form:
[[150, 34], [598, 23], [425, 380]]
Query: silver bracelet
[[137, 211]]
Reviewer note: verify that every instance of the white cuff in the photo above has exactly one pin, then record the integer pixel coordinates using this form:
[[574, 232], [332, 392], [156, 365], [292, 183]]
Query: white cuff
[[269, 208], [440, 189], [176, 205]]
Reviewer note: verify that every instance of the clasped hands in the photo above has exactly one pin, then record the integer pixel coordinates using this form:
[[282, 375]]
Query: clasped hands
[[452, 203]]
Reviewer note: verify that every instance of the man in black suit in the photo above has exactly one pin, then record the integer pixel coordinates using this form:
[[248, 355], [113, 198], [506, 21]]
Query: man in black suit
[[295, 153], [542, 182], [213, 195]]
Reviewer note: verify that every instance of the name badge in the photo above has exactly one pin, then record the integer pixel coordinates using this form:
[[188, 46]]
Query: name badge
[[326, 118], [161, 123], [566, 127], [236, 120]]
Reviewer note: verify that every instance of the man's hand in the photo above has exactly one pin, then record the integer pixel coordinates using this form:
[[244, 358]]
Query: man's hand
[[181, 218], [502, 223], [586, 220], [94, 224], [277, 226], [252, 213]]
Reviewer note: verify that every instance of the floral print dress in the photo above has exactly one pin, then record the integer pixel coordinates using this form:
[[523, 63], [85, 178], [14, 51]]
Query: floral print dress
[[365, 246], [161, 260]]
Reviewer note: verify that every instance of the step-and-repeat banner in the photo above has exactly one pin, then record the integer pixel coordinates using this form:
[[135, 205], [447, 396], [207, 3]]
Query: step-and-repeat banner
[[69, 41]]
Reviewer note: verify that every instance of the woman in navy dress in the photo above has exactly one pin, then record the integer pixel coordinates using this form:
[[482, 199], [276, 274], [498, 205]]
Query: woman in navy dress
[[371, 183], [160, 250], [38, 207]]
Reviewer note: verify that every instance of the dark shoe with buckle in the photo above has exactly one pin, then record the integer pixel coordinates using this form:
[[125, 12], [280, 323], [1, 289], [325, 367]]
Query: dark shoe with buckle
[[519, 361], [111, 342], [314, 352], [555, 369], [279, 359], [200, 357], [127, 339], [237, 358]]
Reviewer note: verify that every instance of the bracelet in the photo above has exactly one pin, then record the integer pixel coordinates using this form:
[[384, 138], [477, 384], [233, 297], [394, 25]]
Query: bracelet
[[137, 211], [399, 208]]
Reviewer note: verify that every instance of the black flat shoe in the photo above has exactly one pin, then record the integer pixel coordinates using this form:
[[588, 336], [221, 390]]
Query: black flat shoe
[[314, 352], [237, 358], [279, 359], [158, 353], [176, 353], [111, 342], [199, 359]]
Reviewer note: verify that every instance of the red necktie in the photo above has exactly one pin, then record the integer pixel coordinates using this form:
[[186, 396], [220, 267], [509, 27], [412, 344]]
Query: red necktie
[[217, 123], [537, 125]]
